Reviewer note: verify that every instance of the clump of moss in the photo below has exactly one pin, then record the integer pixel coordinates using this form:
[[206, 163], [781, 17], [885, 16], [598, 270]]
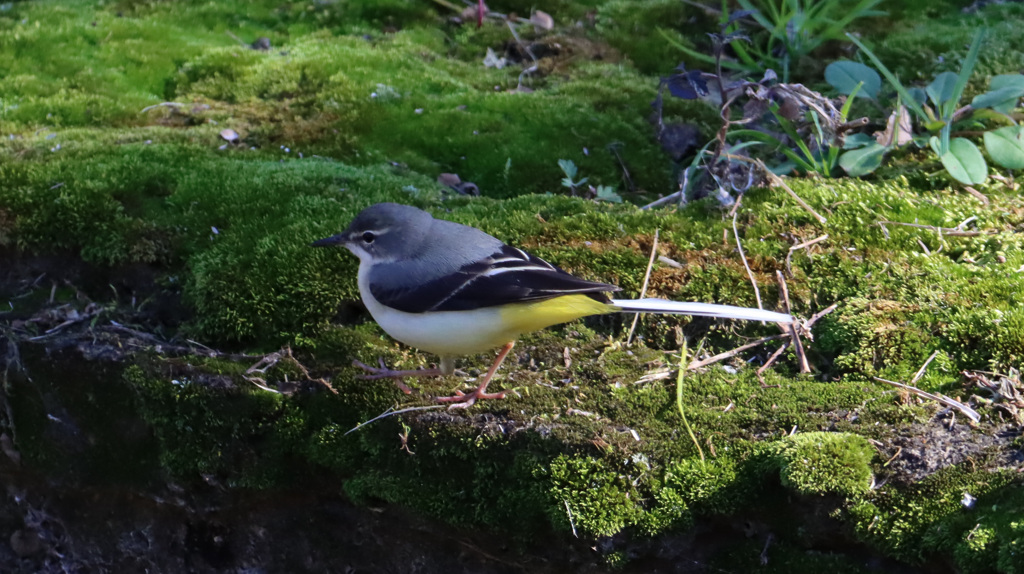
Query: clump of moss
[[872, 336], [819, 463], [943, 513], [634, 26], [599, 501]]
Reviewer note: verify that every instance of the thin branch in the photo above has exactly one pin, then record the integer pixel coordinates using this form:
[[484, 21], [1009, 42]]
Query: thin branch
[[805, 244], [794, 332], [920, 372], [977, 194], [168, 104], [771, 360], [957, 231], [953, 403], [743, 256], [728, 354], [389, 413], [643, 289], [819, 315], [778, 181]]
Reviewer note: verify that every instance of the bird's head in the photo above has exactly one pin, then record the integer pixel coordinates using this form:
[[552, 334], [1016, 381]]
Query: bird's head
[[382, 233]]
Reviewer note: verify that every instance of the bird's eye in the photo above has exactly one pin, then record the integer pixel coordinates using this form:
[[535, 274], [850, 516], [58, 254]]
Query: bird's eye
[[368, 237]]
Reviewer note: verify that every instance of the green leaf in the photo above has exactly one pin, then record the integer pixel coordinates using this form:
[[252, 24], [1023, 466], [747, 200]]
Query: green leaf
[[964, 162], [854, 141], [1006, 81], [941, 89], [607, 193], [568, 168], [966, 69], [845, 75], [905, 94], [863, 161], [1001, 100], [1006, 146]]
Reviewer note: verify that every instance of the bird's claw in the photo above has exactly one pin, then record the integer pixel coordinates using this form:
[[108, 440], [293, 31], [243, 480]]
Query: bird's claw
[[461, 400], [382, 372]]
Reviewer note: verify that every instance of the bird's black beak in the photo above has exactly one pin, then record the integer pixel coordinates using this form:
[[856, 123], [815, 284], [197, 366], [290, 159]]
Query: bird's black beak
[[331, 241]]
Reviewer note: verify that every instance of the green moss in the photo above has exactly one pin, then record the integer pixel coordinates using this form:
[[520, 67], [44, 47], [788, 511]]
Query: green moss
[[632, 27], [921, 48], [912, 521], [598, 500], [825, 463]]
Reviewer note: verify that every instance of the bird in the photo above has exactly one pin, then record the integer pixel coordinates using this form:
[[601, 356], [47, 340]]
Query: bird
[[453, 290]]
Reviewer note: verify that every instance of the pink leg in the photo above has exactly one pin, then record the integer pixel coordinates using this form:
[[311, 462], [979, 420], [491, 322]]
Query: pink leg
[[383, 372], [463, 401]]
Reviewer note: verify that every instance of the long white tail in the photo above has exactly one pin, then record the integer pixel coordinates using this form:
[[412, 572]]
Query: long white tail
[[700, 309]]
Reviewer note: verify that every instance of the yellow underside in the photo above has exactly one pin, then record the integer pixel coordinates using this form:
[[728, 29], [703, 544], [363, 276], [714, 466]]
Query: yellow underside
[[528, 317]]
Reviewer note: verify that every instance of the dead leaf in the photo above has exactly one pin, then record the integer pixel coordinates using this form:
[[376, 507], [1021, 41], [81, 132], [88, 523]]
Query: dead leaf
[[893, 135], [542, 20], [229, 135]]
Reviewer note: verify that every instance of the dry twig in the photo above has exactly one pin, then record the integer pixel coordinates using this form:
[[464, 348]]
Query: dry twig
[[743, 256], [794, 332], [920, 372], [643, 289], [939, 397], [789, 266]]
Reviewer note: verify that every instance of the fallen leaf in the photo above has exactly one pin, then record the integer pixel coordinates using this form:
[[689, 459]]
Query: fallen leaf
[[542, 20], [229, 135]]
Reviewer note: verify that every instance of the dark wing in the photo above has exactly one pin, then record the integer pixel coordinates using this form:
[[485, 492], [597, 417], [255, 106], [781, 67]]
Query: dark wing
[[509, 276]]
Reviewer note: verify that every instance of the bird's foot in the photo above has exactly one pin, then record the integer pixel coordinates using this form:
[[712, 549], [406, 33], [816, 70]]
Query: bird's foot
[[383, 372], [463, 401]]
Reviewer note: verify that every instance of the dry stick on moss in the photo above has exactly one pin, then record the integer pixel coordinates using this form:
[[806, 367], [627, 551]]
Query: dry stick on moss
[[643, 289], [743, 256], [957, 231], [722, 356], [272, 359], [778, 181], [814, 318], [805, 244], [168, 104], [794, 332], [572, 523], [771, 360], [980, 196], [953, 403], [236, 38], [680, 195], [920, 372], [679, 400], [389, 413], [805, 328]]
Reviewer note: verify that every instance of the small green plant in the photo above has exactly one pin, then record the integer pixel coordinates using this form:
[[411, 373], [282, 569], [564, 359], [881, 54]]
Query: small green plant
[[789, 30], [599, 193], [939, 111], [570, 170]]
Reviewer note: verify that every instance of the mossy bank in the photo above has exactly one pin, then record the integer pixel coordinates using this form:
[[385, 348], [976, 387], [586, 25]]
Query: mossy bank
[[169, 337]]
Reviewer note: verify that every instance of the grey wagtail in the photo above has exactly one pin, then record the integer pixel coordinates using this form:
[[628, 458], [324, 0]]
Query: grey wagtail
[[452, 290]]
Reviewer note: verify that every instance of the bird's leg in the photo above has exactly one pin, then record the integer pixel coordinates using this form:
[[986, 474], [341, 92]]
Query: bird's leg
[[462, 400], [383, 372]]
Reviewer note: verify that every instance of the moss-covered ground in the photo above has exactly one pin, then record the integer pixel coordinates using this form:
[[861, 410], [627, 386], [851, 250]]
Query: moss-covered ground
[[126, 214]]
